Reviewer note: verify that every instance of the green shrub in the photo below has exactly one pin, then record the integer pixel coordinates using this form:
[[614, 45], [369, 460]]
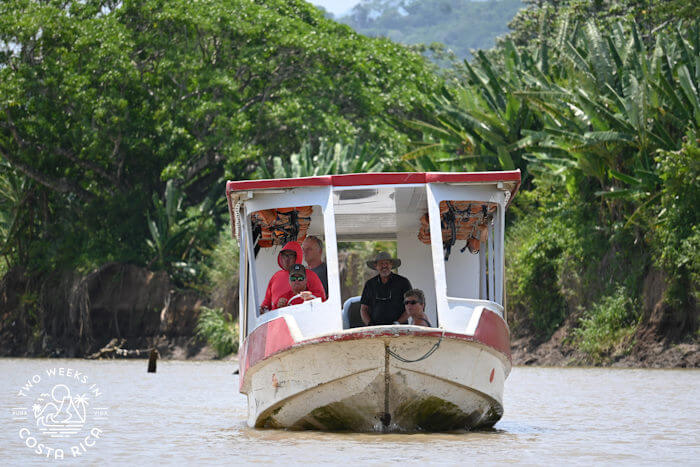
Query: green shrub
[[606, 325], [534, 252], [222, 273], [677, 231], [562, 255], [218, 330], [536, 243]]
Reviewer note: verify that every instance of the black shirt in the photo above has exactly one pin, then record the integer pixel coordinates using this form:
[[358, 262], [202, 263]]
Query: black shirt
[[385, 301], [322, 272]]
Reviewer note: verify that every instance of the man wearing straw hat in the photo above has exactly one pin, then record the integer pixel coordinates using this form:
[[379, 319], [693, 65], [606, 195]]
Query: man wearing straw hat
[[382, 297]]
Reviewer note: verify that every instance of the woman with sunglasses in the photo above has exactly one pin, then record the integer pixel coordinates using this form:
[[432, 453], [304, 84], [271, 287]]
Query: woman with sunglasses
[[414, 301]]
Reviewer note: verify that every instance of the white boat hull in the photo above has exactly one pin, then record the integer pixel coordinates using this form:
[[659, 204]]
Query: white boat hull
[[350, 381]]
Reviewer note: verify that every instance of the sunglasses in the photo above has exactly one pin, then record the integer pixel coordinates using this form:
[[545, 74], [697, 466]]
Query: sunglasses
[[384, 299], [410, 302], [297, 278]]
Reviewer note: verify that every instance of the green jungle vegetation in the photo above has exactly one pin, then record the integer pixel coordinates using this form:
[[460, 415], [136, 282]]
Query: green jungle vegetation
[[120, 122], [460, 25]]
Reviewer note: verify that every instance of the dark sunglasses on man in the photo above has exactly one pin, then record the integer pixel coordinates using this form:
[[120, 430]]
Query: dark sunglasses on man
[[410, 302]]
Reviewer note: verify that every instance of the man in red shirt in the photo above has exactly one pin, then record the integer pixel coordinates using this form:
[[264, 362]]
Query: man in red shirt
[[299, 293], [279, 283]]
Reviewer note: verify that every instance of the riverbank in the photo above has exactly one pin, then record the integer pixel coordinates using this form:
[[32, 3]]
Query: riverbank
[[123, 311], [557, 353], [553, 353], [643, 350]]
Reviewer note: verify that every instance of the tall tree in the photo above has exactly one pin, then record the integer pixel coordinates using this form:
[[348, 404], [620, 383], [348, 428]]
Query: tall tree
[[102, 102]]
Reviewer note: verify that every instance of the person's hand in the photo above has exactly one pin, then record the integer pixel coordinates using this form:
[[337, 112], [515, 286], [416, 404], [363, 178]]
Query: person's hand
[[263, 310], [282, 302], [306, 295], [364, 315]]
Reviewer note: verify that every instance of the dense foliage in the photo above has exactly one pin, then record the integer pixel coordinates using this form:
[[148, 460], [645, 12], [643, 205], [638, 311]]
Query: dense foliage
[[121, 120], [218, 330], [675, 227], [600, 109], [607, 326]]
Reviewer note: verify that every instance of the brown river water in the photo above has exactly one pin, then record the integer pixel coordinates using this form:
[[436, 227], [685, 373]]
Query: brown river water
[[192, 413]]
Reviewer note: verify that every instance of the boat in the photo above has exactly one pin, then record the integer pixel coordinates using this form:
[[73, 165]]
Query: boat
[[315, 365]]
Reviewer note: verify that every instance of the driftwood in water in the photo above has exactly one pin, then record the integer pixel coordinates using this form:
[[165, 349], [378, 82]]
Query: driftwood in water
[[152, 361], [114, 350]]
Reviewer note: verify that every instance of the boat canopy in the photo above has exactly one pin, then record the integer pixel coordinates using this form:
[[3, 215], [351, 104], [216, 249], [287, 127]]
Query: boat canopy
[[448, 229]]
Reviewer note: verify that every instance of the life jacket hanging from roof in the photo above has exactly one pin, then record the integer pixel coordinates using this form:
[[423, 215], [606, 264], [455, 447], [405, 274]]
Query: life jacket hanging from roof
[[279, 226], [460, 220]]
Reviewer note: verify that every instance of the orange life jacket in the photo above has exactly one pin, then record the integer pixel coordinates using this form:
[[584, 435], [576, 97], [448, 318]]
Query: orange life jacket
[[460, 220], [279, 226]]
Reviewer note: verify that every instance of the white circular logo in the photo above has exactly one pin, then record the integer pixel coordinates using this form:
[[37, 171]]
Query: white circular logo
[[62, 414]]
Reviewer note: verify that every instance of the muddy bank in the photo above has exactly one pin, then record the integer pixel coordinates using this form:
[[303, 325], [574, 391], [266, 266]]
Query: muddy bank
[[72, 315], [135, 310], [663, 338], [649, 347], [654, 354], [116, 311]]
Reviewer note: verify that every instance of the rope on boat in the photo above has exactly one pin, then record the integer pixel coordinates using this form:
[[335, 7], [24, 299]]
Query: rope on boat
[[427, 354], [237, 219]]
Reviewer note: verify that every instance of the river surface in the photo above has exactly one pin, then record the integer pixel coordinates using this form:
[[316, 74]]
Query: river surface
[[192, 413]]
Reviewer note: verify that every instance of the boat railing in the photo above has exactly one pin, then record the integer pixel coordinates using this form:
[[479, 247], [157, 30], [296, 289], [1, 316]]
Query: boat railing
[[474, 302], [457, 315], [312, 317], [316, 318], [456, 318]]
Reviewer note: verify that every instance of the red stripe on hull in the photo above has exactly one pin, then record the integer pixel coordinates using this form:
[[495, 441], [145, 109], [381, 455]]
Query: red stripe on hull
[[496, 336], [278, 337], [266, 340], [494, 332], [274, 337]]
